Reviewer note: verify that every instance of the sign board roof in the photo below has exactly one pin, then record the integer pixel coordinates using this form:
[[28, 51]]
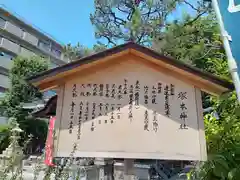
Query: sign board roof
[[205, 81]]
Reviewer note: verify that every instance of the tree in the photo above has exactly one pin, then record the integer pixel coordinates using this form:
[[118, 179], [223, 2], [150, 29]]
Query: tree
[[194, 43], [4, 137], [22, 92], [78, 51], [200, 45], [136, 20]]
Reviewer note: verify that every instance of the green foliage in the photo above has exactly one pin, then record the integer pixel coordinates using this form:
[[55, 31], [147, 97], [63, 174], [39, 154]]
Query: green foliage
[[223, 145], [4, 136], [76, 52], [23, 92], [136, 20], [198, 43], [130, 20]]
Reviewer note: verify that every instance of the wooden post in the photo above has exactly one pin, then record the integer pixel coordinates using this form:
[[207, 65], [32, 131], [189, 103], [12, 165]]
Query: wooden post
[[109, 169], [129, 173], [105, 168]]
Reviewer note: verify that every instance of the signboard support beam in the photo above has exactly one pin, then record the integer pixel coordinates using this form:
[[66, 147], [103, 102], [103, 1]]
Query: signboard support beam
[[129, 169], [106, 168], [231, 61]]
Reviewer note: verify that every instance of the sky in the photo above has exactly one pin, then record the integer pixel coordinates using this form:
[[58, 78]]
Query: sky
[[67, 21]]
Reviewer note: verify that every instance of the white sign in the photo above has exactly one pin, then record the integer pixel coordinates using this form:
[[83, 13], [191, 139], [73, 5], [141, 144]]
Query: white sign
[[131, 111]]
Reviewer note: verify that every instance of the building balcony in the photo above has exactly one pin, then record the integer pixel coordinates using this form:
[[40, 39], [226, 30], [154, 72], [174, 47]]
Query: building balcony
[[9, 45], [26, 53], [30, 38], [11, 28], [6, 62], [2, 23]]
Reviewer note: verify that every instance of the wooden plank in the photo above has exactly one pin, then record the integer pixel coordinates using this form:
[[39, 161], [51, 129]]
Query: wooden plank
[[60, 100], [80, 68], [206, 85], [202, 141], [176, 73], [129, 173]]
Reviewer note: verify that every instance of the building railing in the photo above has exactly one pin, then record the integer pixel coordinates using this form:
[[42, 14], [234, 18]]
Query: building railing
[[52, 50]]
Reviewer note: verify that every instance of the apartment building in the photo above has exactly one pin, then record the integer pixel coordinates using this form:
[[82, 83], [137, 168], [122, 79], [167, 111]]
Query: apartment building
[[20, 38]]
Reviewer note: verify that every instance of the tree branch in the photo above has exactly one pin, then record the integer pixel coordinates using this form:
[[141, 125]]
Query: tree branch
[[195, 19], [191, 5]]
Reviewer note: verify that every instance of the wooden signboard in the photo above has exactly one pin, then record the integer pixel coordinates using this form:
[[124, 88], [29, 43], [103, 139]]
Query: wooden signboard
[[130, 102], [131, 111]]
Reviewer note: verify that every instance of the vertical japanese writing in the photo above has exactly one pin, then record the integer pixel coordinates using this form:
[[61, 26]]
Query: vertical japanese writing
[[130, 115], [89, 85], [106, 111], [118, 111], [94, 89], [183, 116], [82, 93], [182, 95], [89, 88], [100, 109], [93, 110], [74, 91], [112, 113], [113, 92], [155, 121], [92, 127], [86, 111], [172, 90], [145, 94], [119, 95], [101, 86], [72, 107], [72, 110], [154, 95], [137, 94], [146, 121], [159, 88], [133, 93], [107, 90], [80, 119], [166, 104], [125, 87]]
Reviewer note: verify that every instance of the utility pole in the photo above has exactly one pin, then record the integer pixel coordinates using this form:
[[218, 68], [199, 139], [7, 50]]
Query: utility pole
[[231, 61]]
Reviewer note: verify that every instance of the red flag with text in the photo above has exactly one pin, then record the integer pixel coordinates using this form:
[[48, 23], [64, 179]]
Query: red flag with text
[[49, 143]]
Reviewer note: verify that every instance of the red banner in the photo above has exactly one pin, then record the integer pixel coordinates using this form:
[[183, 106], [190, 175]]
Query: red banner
[[49, 143]]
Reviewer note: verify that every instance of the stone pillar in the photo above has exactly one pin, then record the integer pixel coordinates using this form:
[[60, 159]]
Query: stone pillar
[[106, 168], [129, 173]]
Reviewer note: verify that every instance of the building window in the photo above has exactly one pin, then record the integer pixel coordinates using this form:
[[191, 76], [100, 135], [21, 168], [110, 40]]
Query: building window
[[23, 33], [44, 45], [2, 23], [6, 55], [56, 50]]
